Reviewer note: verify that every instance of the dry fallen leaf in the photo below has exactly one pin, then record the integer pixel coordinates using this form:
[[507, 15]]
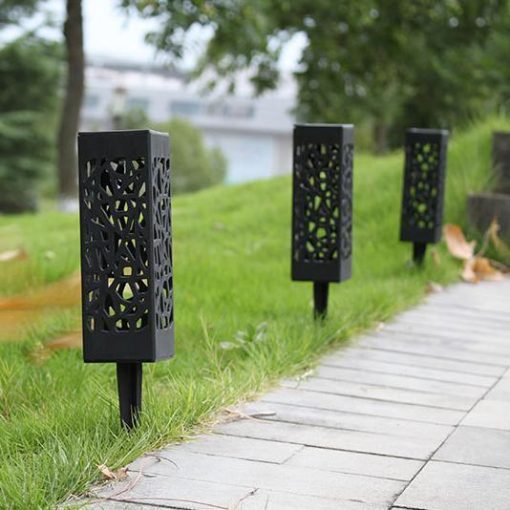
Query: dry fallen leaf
[[41, 352], [63, 293], [108, 474], [18, 312], [306, 375], [72, 340], [19, 254], [500, 266], [433, 287], [380, 326], [493, 233], [457, 244], [479, 268]]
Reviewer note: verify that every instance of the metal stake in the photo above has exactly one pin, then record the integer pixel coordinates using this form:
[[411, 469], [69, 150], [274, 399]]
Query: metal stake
[[320, 299], [419, 250], [129, 380]]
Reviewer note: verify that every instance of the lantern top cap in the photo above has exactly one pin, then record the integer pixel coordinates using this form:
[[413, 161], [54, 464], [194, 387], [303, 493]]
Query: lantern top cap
[[123, 131], [424, 131]]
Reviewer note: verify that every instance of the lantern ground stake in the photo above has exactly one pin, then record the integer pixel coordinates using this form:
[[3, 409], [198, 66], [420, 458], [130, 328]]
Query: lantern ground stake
[[419, 250], [126, 256], [129, 381], [322, 207], [423, 191], [320, 299]]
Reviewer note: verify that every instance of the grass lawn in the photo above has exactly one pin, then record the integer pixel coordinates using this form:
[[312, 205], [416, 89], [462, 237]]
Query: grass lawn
[[59, 417]]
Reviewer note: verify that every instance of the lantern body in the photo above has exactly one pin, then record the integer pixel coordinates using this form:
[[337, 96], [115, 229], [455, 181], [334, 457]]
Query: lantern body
[[322, 202], [424, 185], [126, 251]]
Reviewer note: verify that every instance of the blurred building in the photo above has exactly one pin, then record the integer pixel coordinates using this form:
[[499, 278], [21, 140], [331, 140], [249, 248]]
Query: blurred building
[[255, 134]]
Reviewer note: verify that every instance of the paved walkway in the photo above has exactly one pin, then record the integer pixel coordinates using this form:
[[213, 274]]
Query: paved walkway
[[416, 416]]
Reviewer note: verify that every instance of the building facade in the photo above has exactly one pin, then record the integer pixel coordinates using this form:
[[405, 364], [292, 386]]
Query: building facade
[[254, 133]]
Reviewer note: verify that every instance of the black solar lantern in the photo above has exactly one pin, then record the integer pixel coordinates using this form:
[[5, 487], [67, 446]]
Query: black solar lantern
[[322, 207], [424, 185], [126, 255]]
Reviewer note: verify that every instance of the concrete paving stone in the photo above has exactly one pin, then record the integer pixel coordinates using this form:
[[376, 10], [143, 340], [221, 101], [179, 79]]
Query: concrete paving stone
[[177, 466], [476, 445], [429, 344], [492, 414], [485, 304], [347, 421], [357, 363], [347, 440], [488, 342], [241, 448], [444, 326], [453, 315], [364, 406], [273, 500], [398, 381], [456, 310], [356, 463], [421, 360], [500, 361], [471, 334], [501, 390], [175, 492], [375, 392], [445, 486]]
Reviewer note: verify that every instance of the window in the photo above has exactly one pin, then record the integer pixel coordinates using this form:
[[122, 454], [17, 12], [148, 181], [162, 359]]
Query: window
[[91, 101], [137, 103], [185, 108], [231, 110], [239, 111]]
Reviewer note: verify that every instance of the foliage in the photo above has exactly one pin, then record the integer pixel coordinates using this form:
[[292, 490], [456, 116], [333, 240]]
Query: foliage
[[194, 165], [12, 10], [59, 417], [29, 78], [396, 63], [134, 118]]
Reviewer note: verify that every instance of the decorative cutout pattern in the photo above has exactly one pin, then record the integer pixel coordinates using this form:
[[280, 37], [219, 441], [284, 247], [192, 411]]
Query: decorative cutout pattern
[[346, 202], [421, 185], [162, 243], [323, 202], [115, 237]]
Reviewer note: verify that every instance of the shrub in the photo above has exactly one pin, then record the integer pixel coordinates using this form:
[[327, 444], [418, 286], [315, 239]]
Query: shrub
[[29, 78], [194, 165]]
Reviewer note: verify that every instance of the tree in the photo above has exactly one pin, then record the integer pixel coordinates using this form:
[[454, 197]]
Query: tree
[[12, 10], [194, 165], [73, 97], [29, 77], [391, 62]]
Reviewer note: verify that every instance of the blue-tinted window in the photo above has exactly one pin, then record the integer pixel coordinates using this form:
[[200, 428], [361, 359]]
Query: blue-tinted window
[[91, 101], [137, 103], [185, 108]]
